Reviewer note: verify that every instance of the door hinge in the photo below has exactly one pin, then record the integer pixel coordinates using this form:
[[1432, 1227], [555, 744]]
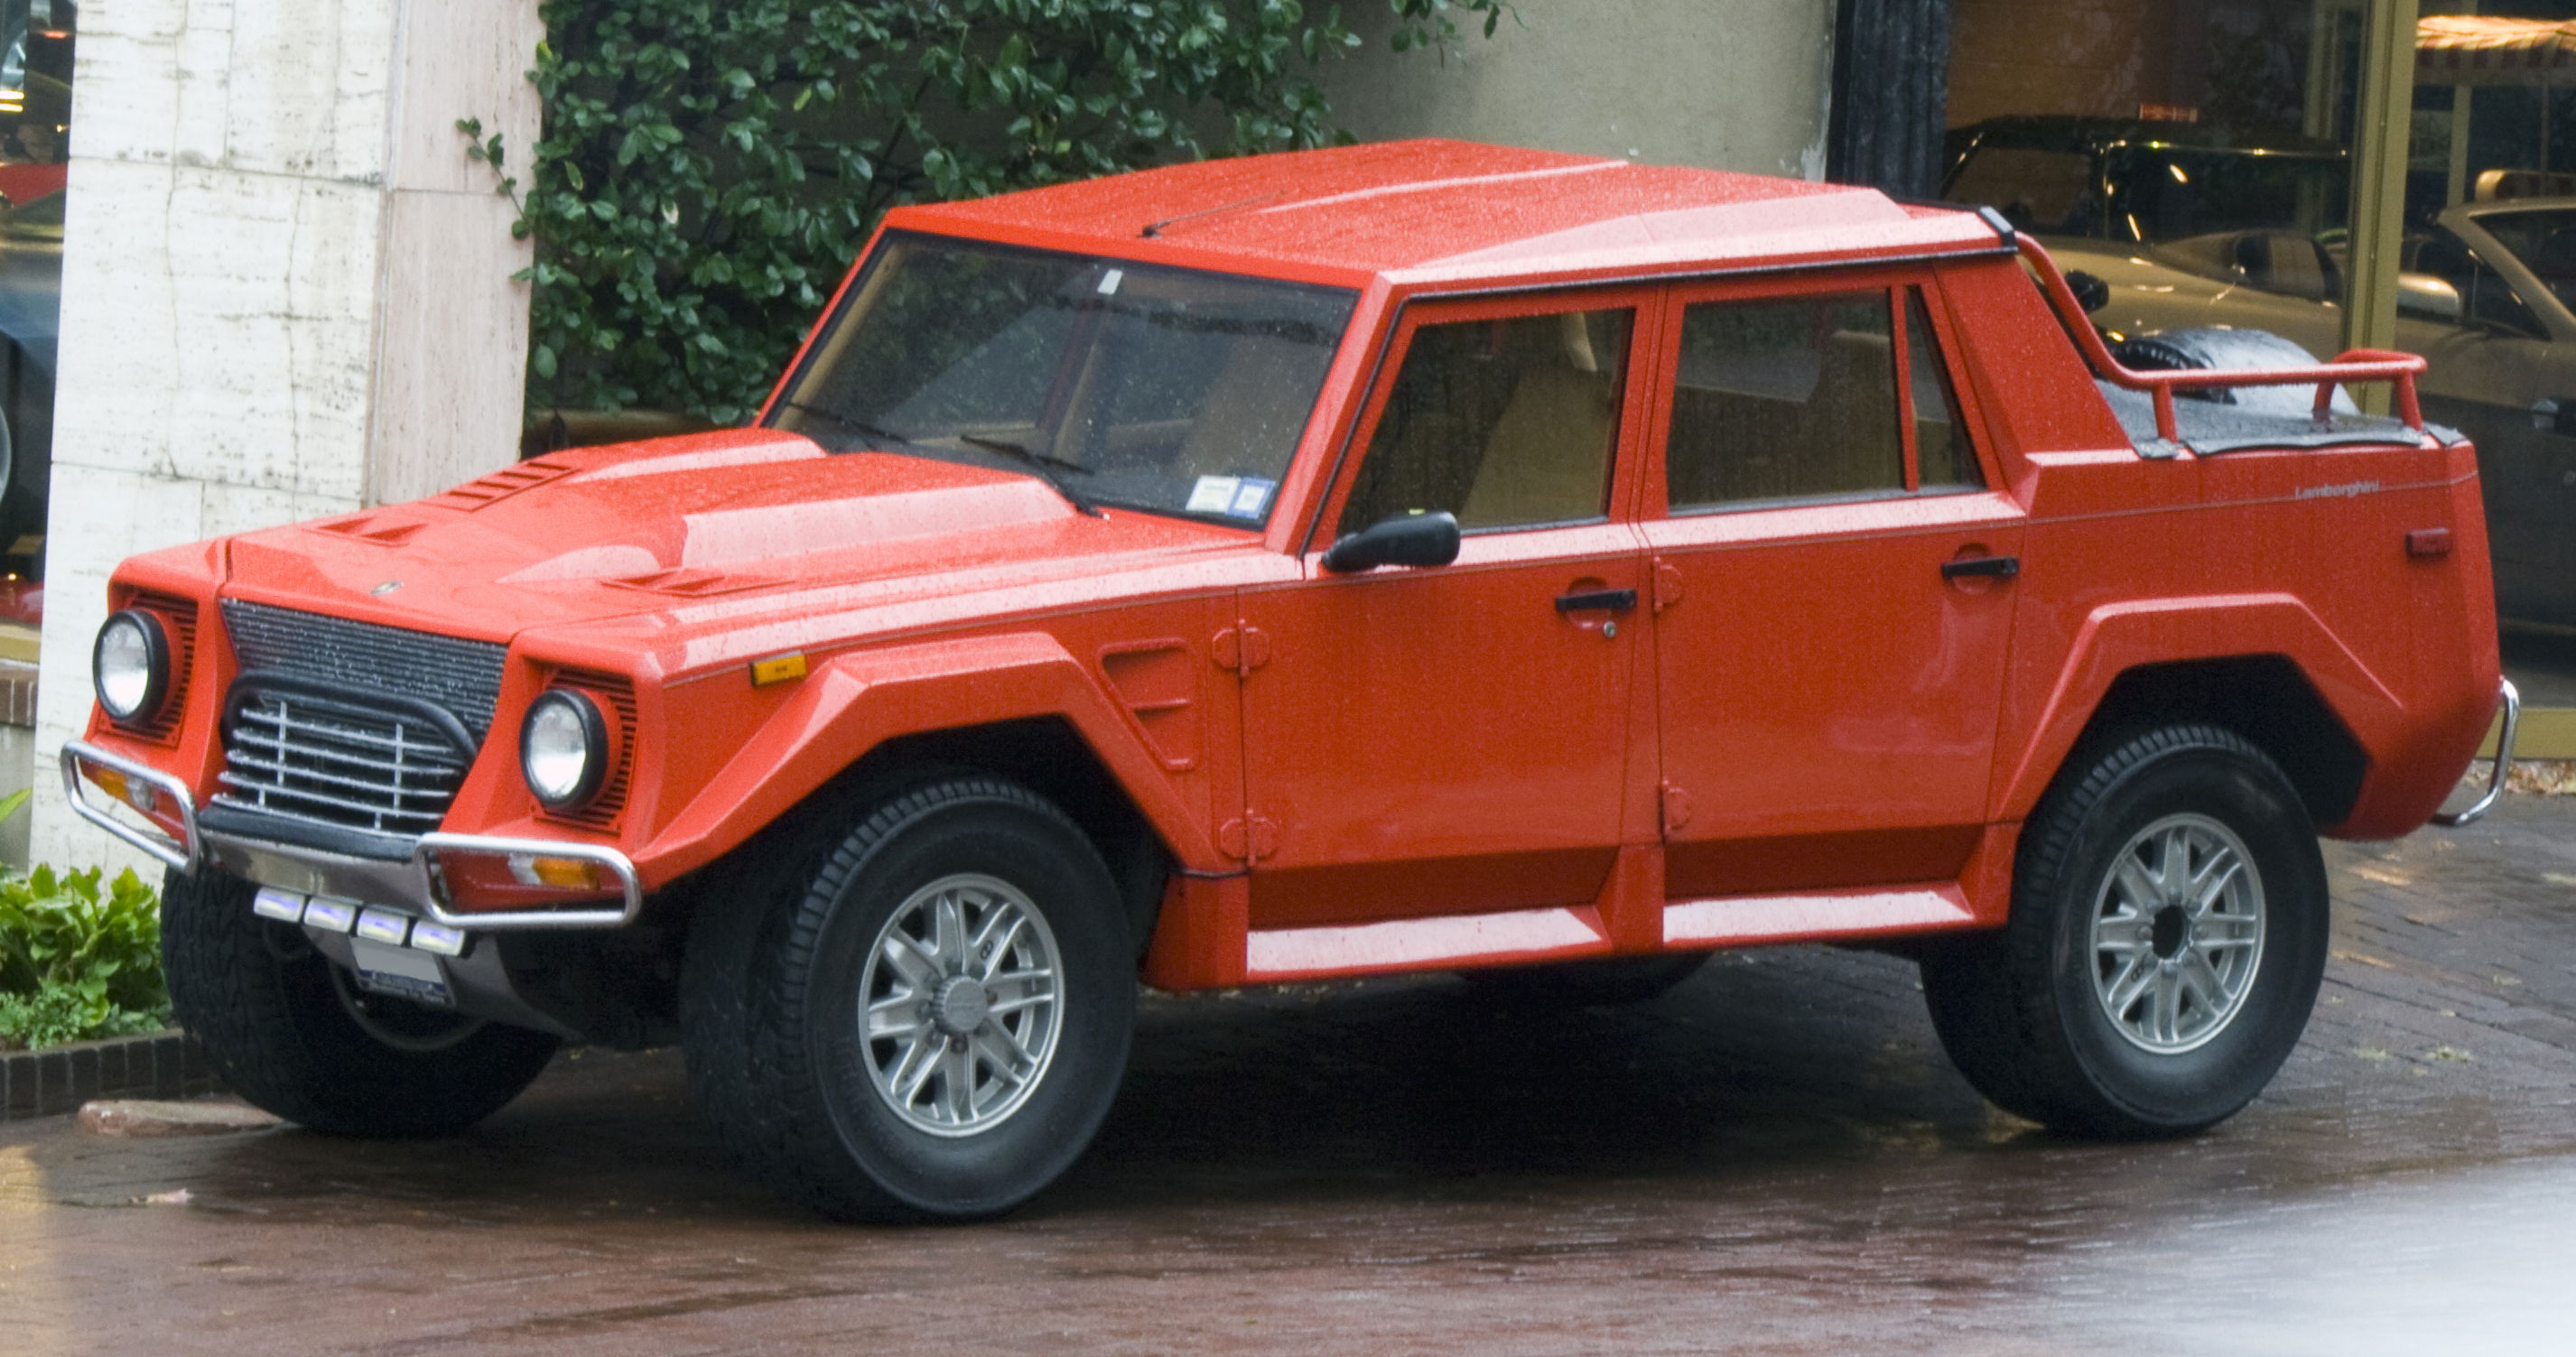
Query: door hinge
[[1668, 585], [1252, 838], [1241, 649], [1677, 809]]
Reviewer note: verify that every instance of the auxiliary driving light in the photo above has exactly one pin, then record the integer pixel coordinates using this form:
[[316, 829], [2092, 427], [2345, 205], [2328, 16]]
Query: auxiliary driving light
[[130, 664], [563, 748]]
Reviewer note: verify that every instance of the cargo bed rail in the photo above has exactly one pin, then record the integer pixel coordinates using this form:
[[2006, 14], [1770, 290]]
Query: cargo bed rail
[[2353, 365]]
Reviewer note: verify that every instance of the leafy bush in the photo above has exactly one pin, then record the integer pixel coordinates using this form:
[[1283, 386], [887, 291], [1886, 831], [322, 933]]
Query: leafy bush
[[77, 962], [709, 168]]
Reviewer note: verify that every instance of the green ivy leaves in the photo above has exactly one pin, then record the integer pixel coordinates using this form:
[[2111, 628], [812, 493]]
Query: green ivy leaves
[[78, 961], [708, 170]]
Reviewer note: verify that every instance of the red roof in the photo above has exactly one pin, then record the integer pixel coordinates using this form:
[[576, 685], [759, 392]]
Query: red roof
[[1421, 211]]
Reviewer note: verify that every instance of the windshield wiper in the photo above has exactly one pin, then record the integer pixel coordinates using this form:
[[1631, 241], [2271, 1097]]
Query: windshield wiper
[[1042, 466], [861, 427]]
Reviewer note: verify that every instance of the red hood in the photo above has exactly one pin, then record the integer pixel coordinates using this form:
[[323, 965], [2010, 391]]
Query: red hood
[[644, 527]]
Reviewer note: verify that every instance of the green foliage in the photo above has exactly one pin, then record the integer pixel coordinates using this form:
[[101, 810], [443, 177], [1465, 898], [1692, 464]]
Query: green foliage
[[709, 168], [76, 961]]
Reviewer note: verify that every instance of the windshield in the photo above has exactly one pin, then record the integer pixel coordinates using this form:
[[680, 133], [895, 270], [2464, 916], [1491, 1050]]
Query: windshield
[[1162, 389], [2161, 193], [2544, 239], [2151, 193]]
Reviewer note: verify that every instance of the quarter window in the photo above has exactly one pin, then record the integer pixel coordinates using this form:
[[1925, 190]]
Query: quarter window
[[1949, 460], [1797, 398], [1504, 423]]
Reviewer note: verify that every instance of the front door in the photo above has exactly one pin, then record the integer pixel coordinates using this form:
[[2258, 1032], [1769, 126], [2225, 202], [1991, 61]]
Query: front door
[[1454, 738], [1834, 581]]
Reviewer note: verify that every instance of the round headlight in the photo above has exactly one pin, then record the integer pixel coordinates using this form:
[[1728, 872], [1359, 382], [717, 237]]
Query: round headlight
[[131, 666], [563, 748]]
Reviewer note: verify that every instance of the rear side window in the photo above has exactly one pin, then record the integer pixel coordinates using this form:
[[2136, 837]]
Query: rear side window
[[1504, 423], [1797, 398]]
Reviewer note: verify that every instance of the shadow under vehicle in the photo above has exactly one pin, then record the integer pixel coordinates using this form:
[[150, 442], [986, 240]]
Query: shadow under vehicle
[[2191, 229]]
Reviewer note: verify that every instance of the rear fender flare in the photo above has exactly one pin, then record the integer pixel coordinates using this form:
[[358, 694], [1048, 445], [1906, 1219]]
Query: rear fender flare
[[2118, 637], [858, 701]]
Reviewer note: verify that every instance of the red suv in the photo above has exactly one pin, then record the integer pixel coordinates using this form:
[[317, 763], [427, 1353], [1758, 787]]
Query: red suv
[[1407, 557]]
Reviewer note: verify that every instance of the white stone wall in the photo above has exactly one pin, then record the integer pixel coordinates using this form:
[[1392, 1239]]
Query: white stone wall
[[285, 289], [1725, 84]]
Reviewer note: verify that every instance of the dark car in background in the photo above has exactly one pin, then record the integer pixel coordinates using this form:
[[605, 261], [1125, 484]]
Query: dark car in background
[[2189, 231]]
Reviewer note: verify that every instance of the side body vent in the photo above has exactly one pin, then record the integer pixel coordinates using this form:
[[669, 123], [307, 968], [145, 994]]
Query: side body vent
[[500, 485], [615, 694], [179, 618]]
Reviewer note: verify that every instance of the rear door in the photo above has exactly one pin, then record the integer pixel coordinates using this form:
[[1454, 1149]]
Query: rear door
[[1834, 590]]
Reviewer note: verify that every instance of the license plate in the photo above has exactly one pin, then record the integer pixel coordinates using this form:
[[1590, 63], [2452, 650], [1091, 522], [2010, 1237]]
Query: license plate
[[401, 973]]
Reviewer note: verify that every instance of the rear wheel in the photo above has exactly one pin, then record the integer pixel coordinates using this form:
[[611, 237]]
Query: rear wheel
[[926, 1021], [290, 1032], [2167, 939]]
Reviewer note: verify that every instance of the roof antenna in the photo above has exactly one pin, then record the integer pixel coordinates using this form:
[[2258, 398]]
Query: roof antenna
[[1153, 229]]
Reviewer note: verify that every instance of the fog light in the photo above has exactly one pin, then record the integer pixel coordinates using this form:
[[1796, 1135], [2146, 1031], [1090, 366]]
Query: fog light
[[563, 874], [331, 916], [438, 938], [284, 906], [385, 926]]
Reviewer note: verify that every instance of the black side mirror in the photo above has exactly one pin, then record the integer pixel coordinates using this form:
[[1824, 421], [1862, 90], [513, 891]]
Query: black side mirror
[[1405, 539], [2091, 292]]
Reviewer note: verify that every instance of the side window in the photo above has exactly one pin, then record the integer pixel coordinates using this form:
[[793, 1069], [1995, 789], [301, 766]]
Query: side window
[[1797, 398], [1786, 398], [1948, 459], [2484, 296], [1504, 423]]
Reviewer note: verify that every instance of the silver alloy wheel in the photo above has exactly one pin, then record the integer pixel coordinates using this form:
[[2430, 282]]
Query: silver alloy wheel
[[2177, 933], [961, 1004]]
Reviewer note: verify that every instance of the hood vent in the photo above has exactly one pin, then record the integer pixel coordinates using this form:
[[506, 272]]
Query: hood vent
[[484, 491], [690, 582], [365, 528]]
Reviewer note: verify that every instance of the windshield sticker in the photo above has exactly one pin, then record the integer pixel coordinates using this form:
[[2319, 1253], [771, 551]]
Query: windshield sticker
[[1109, 282], [1251, 498], [1214, 494]]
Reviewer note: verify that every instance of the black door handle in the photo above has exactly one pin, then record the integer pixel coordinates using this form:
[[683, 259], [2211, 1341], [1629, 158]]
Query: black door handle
[[1598, 600], [1986, 567]]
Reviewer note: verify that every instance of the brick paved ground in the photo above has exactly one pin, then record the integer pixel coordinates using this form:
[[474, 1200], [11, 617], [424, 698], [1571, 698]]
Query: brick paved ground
[[1774, 1156]]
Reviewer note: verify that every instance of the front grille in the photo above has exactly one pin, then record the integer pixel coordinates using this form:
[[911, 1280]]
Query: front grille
[[338, 763], [459, 676]]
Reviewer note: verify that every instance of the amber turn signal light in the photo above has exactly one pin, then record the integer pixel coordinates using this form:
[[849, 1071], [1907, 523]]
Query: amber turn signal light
[[563, 874], [777, 669]]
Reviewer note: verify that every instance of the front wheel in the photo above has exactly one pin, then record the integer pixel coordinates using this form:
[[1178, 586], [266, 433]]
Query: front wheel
[[925, 1019], [2167, 939], [290, 1032]]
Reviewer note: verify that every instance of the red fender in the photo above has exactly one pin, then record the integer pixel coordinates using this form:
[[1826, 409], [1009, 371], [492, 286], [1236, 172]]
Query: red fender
[[860, 700]]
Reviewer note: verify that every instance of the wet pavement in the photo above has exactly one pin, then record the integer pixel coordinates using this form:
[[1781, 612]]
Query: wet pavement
[[1775, 1156]]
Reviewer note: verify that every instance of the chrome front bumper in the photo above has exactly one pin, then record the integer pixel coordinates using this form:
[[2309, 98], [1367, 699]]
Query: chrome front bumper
[[2509, 699], [417, 883]]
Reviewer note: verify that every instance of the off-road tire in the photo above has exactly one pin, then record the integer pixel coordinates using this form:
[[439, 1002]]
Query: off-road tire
[[2016, 1008], [1603, 983], [278, 1031], [770, 1002]]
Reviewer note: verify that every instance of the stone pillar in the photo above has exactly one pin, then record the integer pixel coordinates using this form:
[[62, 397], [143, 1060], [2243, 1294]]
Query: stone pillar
[[286, 292]]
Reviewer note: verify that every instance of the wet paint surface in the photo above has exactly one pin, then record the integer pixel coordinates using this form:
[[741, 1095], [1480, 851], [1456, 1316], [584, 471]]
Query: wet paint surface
[[1776, 1155]]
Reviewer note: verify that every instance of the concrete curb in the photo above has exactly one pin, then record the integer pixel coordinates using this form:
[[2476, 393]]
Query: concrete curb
[[59, 1079]]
